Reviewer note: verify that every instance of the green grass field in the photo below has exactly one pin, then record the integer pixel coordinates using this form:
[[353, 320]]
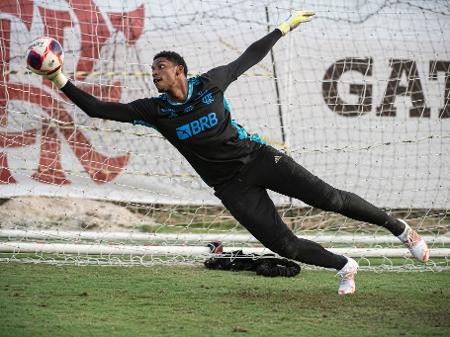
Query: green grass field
[[42, 300]]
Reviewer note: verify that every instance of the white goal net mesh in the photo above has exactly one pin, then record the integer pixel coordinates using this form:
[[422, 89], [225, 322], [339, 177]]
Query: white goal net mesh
[[360, 97]]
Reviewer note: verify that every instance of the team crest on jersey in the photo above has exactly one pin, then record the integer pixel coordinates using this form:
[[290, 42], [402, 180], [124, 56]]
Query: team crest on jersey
[[208, 98]]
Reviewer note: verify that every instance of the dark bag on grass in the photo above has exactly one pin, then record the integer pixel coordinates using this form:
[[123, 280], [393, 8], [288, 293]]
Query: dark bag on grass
[[266, 265]]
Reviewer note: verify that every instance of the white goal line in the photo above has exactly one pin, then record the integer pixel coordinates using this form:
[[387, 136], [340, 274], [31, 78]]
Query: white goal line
[[101, 249], [132, 236]]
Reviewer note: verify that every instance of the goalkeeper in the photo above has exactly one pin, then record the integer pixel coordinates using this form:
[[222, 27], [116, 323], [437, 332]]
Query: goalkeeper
[[195, 117]]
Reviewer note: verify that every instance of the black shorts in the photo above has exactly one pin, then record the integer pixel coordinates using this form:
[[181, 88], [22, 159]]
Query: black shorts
[[246, 198]]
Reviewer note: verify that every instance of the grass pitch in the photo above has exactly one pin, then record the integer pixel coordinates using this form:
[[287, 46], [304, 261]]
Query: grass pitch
[[41, 300]]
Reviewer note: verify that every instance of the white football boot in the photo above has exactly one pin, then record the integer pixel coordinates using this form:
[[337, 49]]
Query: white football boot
[[347, 275], [415, 243]]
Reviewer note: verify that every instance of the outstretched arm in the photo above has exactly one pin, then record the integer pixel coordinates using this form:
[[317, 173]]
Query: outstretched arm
[[254, 54], [258, 50], [93, 107]]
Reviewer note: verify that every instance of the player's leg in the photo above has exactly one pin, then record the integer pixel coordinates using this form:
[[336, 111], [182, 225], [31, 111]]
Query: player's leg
[[280, 173], [254, 209]]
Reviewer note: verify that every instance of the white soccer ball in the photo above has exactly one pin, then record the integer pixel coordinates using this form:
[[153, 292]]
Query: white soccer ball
[[44, 56]]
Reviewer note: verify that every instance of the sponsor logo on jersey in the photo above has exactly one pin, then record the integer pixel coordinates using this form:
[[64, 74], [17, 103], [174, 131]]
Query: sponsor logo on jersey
[[197, 126]]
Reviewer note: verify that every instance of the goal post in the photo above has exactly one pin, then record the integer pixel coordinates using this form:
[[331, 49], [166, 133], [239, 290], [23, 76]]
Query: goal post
[[360, 97]]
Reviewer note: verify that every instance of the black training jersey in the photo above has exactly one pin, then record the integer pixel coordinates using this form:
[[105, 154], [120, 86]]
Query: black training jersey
[[201, 128]]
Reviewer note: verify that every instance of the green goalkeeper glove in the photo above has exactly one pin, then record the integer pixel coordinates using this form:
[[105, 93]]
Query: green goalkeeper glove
[[297, 17], [58, 78]]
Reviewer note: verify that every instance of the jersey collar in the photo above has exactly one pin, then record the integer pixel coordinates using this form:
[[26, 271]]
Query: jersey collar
[[189, 95]]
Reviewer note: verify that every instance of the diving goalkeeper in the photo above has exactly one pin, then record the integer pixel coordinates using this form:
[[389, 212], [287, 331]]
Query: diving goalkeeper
[[195, 117]]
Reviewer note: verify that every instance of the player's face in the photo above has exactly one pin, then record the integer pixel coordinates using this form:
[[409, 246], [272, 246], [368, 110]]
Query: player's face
[[165, 74]]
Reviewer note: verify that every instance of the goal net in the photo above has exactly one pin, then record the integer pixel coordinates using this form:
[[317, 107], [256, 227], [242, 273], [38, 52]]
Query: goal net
[[360, 97]]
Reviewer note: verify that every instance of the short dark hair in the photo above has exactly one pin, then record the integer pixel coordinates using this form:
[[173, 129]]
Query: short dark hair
[[173, 57]]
